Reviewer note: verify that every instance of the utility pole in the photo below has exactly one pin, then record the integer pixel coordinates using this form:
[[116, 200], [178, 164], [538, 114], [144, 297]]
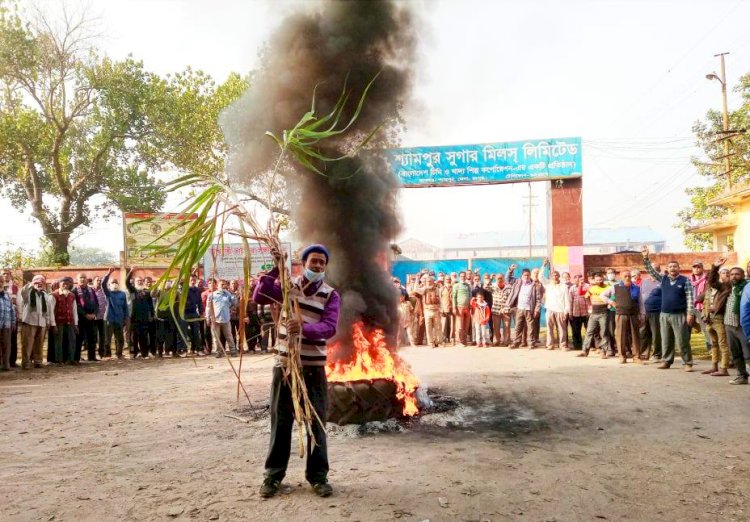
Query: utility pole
[[726, 133], [530, 205]]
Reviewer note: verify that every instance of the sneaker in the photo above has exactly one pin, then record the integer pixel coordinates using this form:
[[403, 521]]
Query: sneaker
[[270, 487], [324, 489], [740, 379]]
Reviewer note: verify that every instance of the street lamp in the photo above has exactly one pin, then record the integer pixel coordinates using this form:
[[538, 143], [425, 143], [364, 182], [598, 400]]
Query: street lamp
[[714, 76]]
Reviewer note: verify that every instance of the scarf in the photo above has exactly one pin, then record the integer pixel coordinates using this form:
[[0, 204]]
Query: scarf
[[34, 292], [737, 293]]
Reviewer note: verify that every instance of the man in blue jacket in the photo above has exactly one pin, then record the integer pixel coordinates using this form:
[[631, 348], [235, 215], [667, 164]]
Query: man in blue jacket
[[740, 349], [677, 312], [117, 314]]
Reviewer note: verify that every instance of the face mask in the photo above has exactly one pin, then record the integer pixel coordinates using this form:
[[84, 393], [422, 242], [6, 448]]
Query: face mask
[[114, 287], [313, 277], [611, 277], [64, 291]]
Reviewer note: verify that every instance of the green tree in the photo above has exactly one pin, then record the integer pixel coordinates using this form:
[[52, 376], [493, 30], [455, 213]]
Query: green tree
[[190, 137], [17, 257], [73, 125], [708, 134]]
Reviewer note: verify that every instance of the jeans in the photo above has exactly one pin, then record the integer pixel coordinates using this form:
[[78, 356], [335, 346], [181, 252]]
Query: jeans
[[675, 332], [597, 323], [282, 419], [482, 333]]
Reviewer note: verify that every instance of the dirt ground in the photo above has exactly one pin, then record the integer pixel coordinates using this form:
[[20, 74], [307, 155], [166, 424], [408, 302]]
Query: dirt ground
[[538, 436]]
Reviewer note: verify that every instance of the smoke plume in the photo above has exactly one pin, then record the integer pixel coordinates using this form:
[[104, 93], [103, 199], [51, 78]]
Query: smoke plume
[[352, 209]]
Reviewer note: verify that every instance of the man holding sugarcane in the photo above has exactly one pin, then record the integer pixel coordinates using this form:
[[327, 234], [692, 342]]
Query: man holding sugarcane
[[318, 305]]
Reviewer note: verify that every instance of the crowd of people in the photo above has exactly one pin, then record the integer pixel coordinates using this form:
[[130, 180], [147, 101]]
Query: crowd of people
[[641, 313], [88, 314]]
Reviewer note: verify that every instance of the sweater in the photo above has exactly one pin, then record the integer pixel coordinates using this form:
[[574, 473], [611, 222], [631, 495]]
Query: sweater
[[461, 295]]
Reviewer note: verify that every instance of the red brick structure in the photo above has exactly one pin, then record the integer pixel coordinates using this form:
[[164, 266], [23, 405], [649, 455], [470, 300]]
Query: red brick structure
[[635, 260]]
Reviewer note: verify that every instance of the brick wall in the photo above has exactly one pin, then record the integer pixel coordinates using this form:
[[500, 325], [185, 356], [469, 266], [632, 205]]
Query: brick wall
[[685, 259]]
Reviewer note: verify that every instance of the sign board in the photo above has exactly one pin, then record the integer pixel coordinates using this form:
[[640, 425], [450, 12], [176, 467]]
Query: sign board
[[510, 162], [145, 229], [229, 260]]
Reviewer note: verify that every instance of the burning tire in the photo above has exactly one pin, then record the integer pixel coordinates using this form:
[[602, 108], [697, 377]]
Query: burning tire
[[359, 402]]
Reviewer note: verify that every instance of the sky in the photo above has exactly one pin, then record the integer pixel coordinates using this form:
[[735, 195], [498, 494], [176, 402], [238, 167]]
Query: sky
[[628, 77]]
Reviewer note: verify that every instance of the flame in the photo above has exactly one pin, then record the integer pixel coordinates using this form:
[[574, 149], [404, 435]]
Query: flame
[[373, 360]]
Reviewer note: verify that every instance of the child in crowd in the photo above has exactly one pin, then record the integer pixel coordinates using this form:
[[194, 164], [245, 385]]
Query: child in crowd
[[481, 315]]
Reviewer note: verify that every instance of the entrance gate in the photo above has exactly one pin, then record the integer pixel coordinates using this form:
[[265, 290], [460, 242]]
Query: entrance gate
[[555, 161]]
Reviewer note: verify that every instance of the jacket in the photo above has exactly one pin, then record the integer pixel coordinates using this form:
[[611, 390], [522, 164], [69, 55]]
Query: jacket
[[481, 314], [718, 301], [194, 303], [36, 316], [536, 295], [220, 303], [117, 303], [143, 303], [87, 301]]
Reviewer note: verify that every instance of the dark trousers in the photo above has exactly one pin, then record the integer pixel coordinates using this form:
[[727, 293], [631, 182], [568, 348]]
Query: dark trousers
[[87, 333], [65, 344], [51, 347], [524, 328], [252, 333], [13, 347], [152, 337], [576, 325], [268, 336], [192, 330], [739, 347], [610, 332], [100, 335], [282, 420], [626, 335], [5, 334], [113, 330], [537, 321], [140, 337], [651, 335], [164, 341]]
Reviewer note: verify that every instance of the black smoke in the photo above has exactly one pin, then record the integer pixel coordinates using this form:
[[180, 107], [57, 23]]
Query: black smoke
[[352, 209]]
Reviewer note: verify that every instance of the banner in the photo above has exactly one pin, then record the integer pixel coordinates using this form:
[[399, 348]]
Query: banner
[[144, 229], [510, 162], [229, 260]]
